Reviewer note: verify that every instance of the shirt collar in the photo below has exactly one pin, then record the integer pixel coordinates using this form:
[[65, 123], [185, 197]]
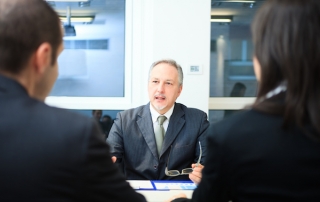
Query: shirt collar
[[280, 88], [155, 114]]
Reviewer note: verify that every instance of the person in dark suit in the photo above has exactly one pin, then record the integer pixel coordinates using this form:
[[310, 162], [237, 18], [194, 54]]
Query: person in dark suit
[[107, 122], [132, 136], [47, 153], [97, 114], [271, 152]]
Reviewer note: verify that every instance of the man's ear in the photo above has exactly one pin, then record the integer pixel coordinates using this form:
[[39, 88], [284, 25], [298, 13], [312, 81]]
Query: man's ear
[[42, 58], [180, 90]]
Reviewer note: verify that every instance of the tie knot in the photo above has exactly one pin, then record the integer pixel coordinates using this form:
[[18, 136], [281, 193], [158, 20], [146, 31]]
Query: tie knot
[[161, 119]]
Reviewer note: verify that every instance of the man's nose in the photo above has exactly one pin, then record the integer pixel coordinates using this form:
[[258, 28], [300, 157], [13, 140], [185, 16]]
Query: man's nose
[[160, 87]]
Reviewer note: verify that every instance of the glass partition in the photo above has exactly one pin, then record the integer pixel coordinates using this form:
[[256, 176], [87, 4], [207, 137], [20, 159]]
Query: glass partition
[[233, 84], [231, 68], [92, 62]]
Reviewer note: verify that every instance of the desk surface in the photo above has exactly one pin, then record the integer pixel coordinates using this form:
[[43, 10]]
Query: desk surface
[[161, 196], [147, 188]]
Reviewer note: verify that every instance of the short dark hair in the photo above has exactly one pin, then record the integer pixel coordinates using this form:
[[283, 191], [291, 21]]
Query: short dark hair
[[286, 38], [94, 110], [107, 116], [24, 26]]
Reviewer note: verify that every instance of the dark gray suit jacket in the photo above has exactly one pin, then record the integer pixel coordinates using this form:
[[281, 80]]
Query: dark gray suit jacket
[[51, 154], [133, 142]]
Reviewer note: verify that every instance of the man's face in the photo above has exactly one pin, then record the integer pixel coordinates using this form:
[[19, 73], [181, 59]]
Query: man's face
[[163, 87], [97, 114]]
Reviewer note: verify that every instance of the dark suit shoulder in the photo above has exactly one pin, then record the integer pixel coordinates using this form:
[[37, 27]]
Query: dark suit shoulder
[[134, 113], [189, 110], [53, 123], [55, 116]]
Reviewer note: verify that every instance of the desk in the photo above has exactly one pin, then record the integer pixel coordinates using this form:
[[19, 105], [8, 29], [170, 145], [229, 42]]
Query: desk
[[153, 195], [161, 196]]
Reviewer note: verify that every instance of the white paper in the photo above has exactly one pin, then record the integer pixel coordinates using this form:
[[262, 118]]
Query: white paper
[[174, 185], [140, 184]]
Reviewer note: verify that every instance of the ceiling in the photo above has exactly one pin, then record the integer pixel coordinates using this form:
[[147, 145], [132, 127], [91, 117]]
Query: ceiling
[[96, 7], [242, 12]]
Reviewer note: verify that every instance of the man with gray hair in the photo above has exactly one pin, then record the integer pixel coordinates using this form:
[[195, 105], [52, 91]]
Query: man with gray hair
[[162, 140]]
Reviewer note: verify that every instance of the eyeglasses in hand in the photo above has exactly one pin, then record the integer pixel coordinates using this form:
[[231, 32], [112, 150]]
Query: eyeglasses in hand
[[184, 171]]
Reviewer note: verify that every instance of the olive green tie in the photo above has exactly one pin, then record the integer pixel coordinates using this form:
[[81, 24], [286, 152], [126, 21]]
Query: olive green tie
[[159, 132]]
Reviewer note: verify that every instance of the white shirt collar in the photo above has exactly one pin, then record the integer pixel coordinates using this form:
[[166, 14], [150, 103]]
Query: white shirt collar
[[155, 114], [281, 88]]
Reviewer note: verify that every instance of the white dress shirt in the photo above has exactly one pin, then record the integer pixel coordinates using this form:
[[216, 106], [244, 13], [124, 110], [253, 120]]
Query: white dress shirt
[[155, 114]]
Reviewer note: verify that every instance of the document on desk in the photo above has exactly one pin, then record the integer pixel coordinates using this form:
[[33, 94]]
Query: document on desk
[[141, 184], [173, 185]]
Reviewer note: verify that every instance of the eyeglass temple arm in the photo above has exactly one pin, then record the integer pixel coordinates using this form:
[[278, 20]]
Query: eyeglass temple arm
[[199, 159]]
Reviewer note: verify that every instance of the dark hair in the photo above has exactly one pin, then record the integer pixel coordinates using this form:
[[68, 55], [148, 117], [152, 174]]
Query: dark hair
[[94, 110], [24, 26], [107, 116], [286, 37]]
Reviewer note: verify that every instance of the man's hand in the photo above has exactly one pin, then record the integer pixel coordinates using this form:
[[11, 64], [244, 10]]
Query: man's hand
[[196, 175], [181, 195], [114, 159]]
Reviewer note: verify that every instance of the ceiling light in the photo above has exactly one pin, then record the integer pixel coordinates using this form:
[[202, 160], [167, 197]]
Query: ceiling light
[[86, 19], [219, 18]]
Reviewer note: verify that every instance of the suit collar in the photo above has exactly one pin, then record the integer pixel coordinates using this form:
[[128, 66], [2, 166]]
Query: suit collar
[[145, 125], [155, 114], [274, 105], [176, 123]]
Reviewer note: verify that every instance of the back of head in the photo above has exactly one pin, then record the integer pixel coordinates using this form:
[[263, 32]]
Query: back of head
[[24, 25], [286, 36], [106, 118]]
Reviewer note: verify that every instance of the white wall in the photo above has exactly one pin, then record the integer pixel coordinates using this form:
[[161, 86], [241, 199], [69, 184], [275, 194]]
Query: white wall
[[157, 29], [180, 30]]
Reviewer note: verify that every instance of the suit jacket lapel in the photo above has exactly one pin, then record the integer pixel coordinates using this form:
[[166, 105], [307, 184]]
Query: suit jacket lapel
[[176, 123], [145, 125]]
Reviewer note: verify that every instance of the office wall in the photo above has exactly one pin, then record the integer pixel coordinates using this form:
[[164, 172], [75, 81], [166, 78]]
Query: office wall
[[180, 30], [157, 29]]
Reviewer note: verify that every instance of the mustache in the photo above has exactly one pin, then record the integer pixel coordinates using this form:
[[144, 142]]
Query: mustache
[[159, 95]]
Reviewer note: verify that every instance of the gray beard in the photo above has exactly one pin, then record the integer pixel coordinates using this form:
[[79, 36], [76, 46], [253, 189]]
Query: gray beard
[[160, 108]]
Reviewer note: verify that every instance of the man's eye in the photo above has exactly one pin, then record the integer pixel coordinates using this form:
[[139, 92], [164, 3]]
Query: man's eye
[[154, 81], [168, 83]]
